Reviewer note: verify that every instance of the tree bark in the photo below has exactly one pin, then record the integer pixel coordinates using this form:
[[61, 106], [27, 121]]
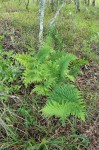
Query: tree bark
[[57, 13], [85, 2], [77, 5], [20, 2], [52, 5], [88, 2], [27, 4], [41, 19], [93, 3]]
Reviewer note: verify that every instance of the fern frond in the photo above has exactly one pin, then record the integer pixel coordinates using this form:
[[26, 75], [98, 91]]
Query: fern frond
[[57, 55], [75, 67], [30, 76], [64, 101], [44, 52], [45, 89], [70, 77], [64, 63], [80, 62], [25, 59], [65, 93], [41, 90]]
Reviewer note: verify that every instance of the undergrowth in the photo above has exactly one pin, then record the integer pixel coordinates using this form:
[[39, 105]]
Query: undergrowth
[[49, 69], [30, 114]]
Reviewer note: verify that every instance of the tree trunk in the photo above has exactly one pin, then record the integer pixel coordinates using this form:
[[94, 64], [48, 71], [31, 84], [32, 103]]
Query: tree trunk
[[52, 5], [41, 18], [57, 13], [88, 2], [93, 3], [77, 5], [85, 2], [20, 2], [27, 5]]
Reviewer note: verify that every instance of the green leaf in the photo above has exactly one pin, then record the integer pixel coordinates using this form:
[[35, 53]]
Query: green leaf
[[64, 101]]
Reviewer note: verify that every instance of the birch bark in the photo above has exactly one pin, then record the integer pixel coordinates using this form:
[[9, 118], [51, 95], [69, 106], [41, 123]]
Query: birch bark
[[41, 19], [57, 13]]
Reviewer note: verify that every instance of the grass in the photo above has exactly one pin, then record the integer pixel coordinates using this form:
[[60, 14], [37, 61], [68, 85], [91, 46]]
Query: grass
[[21, 124]]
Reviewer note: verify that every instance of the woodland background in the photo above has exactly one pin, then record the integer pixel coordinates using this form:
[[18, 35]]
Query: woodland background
[[27, 27]]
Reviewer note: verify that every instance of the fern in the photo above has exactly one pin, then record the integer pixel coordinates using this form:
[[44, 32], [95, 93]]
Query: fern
[[75, 68], [25, 59], [44, 52], [47, 68], [41, 90], [64, 101], [64, 63]]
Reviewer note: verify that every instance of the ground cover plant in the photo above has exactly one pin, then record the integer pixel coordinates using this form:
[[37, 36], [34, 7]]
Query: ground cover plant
[[49, 70], [49, 73]]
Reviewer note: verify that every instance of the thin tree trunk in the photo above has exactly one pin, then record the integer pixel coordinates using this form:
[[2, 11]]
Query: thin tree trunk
[[52, 5], [74, 17], [57, 13], [20, 2], [77, 5], [93, 3], [88, 2], [27, 4], [41, 19], [85, 2]]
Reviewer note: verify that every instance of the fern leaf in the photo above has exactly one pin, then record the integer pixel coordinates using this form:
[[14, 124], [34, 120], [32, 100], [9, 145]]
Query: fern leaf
[[44, 52], [63, 110], [64, 63], [64, 101], [65, 93], [31, 76], [41, 90], [70, 77], [25, 59]]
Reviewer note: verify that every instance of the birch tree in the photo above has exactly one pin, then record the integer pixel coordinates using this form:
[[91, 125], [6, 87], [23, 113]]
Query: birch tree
[[27, 4], [41, 19], [20, 1], [88, 2], [93, 3], [77, 3], [57, 13], [52, 5]]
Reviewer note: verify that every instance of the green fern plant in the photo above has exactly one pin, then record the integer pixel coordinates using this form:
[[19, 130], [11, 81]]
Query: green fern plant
[[46, 68], [64, 101], [50, 70]]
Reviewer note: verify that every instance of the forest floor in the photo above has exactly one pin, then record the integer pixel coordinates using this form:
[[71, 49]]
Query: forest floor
[[20, 30]]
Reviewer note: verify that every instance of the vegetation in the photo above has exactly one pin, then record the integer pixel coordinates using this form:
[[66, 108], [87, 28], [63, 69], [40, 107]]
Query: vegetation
[[47, 70], [49, 75]]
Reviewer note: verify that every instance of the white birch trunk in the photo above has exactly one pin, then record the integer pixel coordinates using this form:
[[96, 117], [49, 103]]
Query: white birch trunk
[[57, 13], [41, 19]]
